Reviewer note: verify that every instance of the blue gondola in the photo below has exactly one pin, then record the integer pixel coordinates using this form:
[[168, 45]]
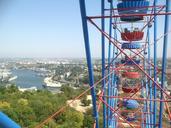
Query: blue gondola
[[129, 62], [132, 7], [131, 119], [131, 104], [131, 46], [129, 116]]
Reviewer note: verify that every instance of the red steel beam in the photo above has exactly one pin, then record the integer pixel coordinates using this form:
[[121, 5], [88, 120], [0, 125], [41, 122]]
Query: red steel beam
[[128, 15], [106, 35], [140, 99], [116, 113], [151, 19], [114, 43]]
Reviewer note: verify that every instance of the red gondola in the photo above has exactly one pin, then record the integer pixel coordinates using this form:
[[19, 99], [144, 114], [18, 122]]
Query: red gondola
[[131, 75], [133, 89], [132, 36]]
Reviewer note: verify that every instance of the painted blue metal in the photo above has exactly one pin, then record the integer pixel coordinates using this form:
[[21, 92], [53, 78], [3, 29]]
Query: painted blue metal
[[109, 58], [146, 105], [132, 7], [115, 92], [103, 61], [131, 104], [6, 122], [129, 62], [164, 59], [131, 119], [113, 81], [145, 92], [116, 102], [114, 86], [131, 46], [155, 64], [150, 82], [88, 57]]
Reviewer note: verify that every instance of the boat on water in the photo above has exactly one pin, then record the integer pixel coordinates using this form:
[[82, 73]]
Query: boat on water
[[5, 75], [12, 78], [27, 89], [49, 83]]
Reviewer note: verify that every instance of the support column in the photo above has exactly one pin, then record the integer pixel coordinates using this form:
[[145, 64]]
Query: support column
[[164, 60], [103, 61], [6, 122], [109, 59], [88, 57], [155, 64]]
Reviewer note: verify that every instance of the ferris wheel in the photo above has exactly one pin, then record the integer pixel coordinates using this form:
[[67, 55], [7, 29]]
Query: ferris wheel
[[134, 86]]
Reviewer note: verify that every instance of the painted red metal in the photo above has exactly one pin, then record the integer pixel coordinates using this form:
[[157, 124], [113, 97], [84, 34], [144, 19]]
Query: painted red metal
[[133, 89], [139, 99], [132, 36], [133, 75], [117, 114], [117, 46], [129, 15]]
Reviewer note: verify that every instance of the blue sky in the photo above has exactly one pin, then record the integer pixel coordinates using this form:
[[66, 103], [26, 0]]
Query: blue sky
[[45, 28]]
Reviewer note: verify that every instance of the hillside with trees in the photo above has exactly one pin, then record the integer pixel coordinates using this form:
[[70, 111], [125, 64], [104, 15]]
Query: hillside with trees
[[30, 108]]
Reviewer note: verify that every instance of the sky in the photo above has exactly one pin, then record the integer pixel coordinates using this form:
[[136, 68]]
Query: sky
[[46, 28]]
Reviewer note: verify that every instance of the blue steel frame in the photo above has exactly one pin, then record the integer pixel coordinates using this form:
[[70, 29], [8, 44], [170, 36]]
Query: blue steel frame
[[114, 88], [109, 58], [146, 85], [6, 122], [103, 62], [151, 105], [155, 65], [88, 57], [150, 117], [164, 59]]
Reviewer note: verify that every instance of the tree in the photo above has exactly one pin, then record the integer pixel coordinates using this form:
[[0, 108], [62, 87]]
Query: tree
[[85, 102], [30, 108], [71, 119], [88, 121], [68, 91]]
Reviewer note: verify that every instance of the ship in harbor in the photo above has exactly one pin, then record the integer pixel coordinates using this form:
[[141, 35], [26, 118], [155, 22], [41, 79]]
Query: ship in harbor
[[13, 78], [6, 75], [49, 83]]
